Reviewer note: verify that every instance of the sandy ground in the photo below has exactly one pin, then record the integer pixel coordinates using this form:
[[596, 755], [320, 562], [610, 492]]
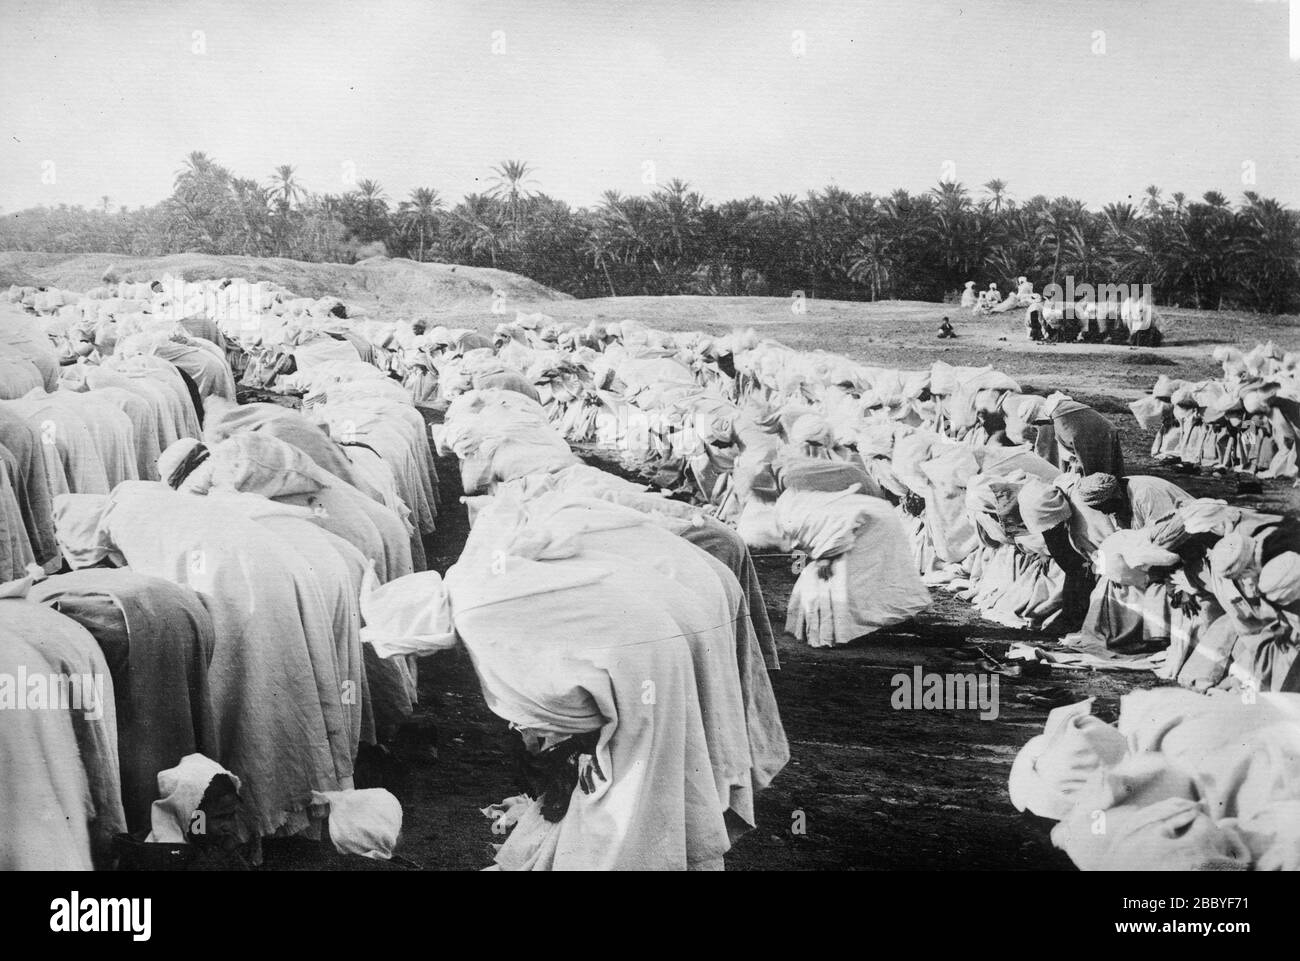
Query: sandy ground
[[875, 788]]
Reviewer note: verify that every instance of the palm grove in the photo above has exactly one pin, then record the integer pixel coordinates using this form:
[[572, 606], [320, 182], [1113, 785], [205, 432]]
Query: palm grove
[[1206, 253]]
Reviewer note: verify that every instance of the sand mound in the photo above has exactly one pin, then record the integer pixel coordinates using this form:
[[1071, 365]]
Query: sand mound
[[394, 288], [11, 275]]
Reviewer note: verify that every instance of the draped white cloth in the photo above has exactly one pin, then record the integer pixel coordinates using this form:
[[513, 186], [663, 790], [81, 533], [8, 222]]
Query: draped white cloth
[[859, 577], [286, 646], [593, 620]]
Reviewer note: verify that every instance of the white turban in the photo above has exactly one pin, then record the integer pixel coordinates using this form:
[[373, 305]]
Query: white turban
[[1042, 506], [76, 526], [181, 789], [1279, 581], [174, 455], [1233, 556], [1206, 515]]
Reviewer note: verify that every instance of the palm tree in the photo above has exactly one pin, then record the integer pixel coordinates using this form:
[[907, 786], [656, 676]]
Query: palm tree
[[1054, 225], [1153, 204], [783, 242], [285, 189], [1267, 254], [997, 189], [872, 264], [1204, 244], [419, 215], [951, 196], [597, 247], [202, 208], [198, 165], [255, 227], [952, 220], [1119, 216], [372, 210], [676, 221], [475, 226], [1085, 254], [511, 183], [372, 195]]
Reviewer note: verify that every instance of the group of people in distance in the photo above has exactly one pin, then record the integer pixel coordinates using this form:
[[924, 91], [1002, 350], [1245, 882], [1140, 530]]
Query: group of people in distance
[[1128, 320]]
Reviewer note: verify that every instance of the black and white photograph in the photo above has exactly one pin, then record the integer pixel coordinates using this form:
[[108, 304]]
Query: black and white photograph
[[751, 435]]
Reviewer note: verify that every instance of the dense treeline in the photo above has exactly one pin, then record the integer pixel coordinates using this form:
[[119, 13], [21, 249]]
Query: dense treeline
[[1195, 253]]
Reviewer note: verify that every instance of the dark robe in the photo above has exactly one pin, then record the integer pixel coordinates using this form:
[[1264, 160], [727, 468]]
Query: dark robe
[[1090, 437], [157, 638]]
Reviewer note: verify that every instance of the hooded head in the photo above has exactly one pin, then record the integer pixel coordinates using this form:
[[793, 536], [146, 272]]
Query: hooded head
[[1022, 411], [77, 527], [1052, 769], [1043, 506], [1234, 557]]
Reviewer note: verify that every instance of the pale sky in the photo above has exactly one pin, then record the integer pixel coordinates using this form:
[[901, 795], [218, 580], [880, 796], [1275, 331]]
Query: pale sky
[[1090, 98]]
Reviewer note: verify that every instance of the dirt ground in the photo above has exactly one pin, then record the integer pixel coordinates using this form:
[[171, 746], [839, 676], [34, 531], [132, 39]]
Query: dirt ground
[[874, 788]]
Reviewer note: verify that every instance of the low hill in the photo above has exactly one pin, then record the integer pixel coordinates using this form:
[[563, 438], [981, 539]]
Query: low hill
[[400, 288]]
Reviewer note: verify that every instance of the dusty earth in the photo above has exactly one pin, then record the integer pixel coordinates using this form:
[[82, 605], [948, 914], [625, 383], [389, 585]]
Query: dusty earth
[[873, 787]]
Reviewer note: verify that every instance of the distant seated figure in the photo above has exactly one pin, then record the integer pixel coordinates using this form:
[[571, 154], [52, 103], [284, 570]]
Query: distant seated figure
[[1024, 291], [1052, 315], [968, 299], [1034, 318], [946, 331], [1089, 327], [1139, 316], [1110, 323]]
